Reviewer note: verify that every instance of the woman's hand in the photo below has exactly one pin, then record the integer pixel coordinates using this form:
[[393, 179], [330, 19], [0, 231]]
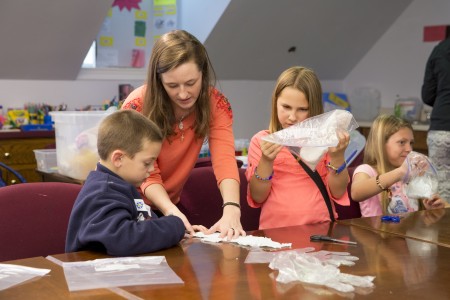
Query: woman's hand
[[230, 224]]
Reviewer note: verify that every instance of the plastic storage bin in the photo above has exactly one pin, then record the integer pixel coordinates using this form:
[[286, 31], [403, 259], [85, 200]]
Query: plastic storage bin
[[356, 145], [46, 160], [408, 109], [76, 141]]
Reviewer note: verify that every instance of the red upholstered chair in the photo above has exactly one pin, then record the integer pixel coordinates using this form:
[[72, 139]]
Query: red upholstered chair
[[201, 200], [34, 218], [352, 211]]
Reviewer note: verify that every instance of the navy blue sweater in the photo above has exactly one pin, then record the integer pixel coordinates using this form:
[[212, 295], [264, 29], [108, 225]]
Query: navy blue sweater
[[105, 218]]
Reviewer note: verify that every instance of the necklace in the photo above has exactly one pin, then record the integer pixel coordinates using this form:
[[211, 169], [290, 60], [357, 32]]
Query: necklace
[[181, 126]]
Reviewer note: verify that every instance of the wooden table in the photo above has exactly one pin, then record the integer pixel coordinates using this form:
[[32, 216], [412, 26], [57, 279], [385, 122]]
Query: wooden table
[[431, 226], [404, 268]]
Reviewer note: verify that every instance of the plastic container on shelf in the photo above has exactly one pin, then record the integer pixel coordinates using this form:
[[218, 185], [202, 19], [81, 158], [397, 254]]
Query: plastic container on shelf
[[46, 160], [76, 141], [241, 147], [408, 109]]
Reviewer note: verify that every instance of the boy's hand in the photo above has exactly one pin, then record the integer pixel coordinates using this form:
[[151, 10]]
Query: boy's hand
[[176, 212], [200, 228]]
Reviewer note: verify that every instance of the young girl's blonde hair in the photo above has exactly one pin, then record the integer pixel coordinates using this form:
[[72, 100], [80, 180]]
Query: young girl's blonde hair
[[304, 80], [383, 127]]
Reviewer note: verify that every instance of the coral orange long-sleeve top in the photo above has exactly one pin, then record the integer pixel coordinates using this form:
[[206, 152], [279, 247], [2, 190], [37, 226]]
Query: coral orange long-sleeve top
[[178, 156]]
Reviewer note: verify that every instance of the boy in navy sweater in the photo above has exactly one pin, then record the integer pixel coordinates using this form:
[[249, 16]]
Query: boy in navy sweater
[[109, 214]]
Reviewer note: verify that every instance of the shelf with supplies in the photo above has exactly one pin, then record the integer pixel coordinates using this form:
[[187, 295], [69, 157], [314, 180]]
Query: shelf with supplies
[[16, 151]]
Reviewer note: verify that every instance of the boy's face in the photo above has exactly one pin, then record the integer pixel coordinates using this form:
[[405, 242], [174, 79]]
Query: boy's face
[[135, 170]]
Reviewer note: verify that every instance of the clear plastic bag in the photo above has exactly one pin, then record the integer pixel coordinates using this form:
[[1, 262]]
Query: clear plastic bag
[[120, 271], [311, 138], [318, 268], [11, 275], [421, 179], [259, 256]]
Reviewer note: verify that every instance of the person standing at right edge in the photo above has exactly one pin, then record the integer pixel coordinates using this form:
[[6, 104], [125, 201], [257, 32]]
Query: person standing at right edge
[[436, 93]]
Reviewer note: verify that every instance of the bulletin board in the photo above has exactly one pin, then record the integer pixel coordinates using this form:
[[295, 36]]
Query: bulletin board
[[130, 29]]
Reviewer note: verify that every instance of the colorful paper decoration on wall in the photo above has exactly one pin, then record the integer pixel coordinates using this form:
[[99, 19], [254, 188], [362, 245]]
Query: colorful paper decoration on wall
[[128, 4]]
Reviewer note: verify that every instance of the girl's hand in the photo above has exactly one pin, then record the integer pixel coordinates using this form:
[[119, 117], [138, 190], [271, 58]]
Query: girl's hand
[[338, 151], [270, 150], [434, 202], [415, 164]]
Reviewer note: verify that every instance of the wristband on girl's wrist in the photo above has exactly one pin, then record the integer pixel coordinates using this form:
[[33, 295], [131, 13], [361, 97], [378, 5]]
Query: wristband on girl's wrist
[[261, 178], [377, 180], [337, 170]]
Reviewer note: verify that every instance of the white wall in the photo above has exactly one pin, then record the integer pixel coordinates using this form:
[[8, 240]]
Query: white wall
[[208, 11], [395, 66], [251, 103]]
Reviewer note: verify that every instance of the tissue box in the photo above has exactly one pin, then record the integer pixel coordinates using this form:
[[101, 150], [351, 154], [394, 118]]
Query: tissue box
[[46, 160]]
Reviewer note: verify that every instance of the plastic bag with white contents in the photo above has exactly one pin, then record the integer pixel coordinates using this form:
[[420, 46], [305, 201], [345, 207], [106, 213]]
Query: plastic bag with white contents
[[311, 138], [309, 268], [421, 178]]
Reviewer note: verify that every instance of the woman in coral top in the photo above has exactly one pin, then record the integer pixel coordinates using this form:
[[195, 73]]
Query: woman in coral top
[[180, 97], [278, 184]]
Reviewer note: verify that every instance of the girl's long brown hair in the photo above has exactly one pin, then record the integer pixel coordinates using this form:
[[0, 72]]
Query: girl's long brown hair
[[170, 51]]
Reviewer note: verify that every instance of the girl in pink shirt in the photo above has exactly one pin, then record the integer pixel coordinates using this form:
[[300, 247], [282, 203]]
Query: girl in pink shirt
[[278, 184], [378, 183]]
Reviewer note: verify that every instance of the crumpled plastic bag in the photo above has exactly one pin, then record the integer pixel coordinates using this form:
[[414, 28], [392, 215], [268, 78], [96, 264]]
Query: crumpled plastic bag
[[421, 178], [11, 275], [317, 268], [335, 258], [259, 256], [311, 138]]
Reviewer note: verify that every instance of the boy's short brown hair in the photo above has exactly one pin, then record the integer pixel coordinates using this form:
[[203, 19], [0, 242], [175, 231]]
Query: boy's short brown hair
[[126, 130]]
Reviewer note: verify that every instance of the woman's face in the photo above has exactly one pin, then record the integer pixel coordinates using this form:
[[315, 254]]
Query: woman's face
[[292, 107], [398, 146], [183, 85]]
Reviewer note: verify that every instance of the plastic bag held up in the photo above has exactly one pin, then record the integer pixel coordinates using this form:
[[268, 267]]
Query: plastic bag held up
[[311, 138], [421, 177]]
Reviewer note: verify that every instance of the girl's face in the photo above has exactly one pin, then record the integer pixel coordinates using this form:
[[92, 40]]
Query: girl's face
[[183, 85], [398, 146], [292, 107]]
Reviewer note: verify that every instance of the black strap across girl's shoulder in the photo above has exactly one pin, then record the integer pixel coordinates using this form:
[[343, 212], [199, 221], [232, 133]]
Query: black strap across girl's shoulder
[[319, 182]]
